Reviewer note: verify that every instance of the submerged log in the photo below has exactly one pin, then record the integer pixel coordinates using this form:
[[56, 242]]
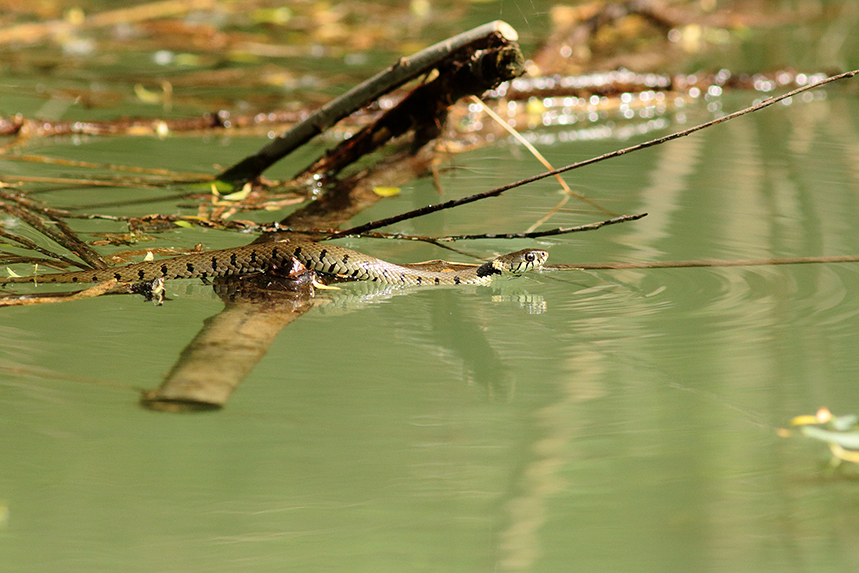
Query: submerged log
[[232, 342]]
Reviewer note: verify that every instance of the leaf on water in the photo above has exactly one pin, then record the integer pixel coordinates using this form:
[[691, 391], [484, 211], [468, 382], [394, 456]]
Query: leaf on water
[[239, 195], [217, 184], [12, 273], [848, 440], [386, 191], [822, 416], [149, 256], [804, 420], [183, 224], [145, 95], [840, 433], [844, 423]]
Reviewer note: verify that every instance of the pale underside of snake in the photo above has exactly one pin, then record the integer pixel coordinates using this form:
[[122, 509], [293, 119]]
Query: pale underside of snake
[[323, 258]]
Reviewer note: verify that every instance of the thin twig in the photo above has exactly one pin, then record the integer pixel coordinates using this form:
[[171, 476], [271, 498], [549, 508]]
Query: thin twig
[[22, 209], [499, 190], [28, 244], [706, 263], [547, 233], [97, 290], [567, 191]]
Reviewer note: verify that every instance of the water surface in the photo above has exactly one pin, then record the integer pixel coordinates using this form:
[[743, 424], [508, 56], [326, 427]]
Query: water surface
[[593, 421]]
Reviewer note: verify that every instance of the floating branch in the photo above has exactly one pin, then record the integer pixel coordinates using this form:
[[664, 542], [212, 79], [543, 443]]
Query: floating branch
[[425, 109], [406, 69]]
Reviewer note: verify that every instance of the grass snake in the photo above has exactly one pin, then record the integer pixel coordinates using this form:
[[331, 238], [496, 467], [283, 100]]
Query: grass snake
[[324, 258]]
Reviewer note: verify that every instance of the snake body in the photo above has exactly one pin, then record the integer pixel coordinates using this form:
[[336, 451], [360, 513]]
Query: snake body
[[325, 258]]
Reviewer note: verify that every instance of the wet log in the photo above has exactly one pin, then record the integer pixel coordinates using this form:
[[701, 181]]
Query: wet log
[[405, 70], [232, 342]]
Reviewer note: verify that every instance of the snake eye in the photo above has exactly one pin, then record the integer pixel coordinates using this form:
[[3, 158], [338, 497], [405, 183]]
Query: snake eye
[[530, 257]]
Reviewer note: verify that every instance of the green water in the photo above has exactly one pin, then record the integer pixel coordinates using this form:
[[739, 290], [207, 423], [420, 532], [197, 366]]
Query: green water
[[580, 421]]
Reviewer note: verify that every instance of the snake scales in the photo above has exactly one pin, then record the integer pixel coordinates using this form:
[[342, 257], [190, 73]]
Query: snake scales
[[330, 259]]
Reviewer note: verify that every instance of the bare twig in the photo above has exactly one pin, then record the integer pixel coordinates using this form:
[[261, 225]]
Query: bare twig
[[28, 244], [499, 190], [547, 233], [706, 263], [97, 290], [567, 191], [21, 208]]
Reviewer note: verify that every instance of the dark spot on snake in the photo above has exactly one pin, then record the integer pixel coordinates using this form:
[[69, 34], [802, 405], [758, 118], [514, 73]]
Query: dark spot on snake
[[402, 277], [164, 270], [487, 270], [141, 274], [355, 273], [190, 267], [456, 280], [274, 252], [323, 254], [233, 259], [117, 276], [345, 258], [419, 280], [296, 252], [74, 279], [437, 281]]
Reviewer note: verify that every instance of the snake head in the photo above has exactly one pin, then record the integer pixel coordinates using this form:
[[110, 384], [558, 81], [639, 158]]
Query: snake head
[[521, 261]]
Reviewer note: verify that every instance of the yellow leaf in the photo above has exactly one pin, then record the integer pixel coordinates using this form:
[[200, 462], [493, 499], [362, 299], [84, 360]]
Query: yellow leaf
[[146, 95], [184, 224], [386, 191], [238, 195]]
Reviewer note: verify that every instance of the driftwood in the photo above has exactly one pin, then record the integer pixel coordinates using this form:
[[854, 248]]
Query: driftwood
[[425, 109], [403, 71]]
